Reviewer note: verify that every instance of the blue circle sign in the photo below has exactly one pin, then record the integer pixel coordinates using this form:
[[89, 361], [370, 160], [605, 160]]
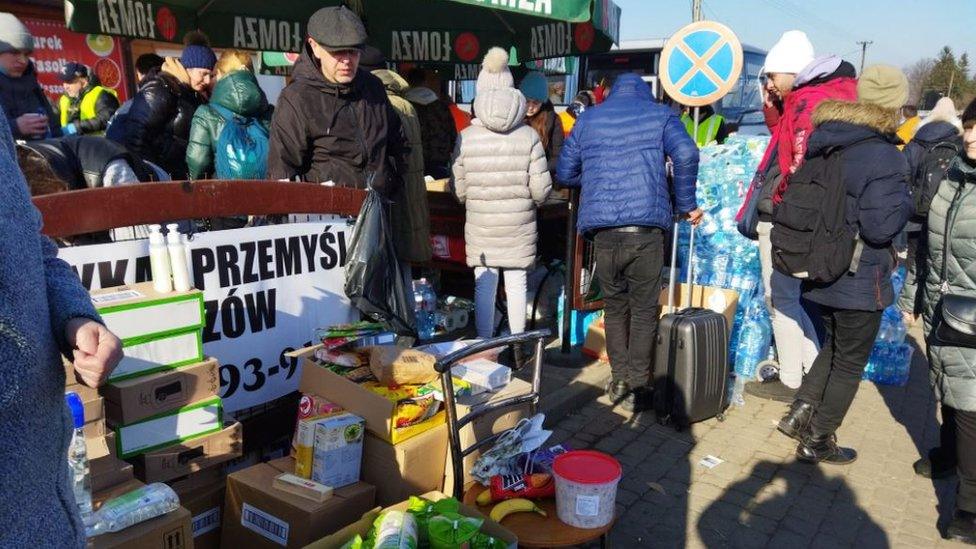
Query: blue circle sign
[[700, 63]]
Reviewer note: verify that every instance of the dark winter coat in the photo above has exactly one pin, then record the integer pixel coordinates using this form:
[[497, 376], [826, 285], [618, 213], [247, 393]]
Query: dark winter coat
[[438, 132], [554, 129], [409, 213], [19, 96], [929, 134], [157, 126], [81, 160], [239, 93], [952, 370], [322, 131], [105, 106], [616, 154], [878, 203]]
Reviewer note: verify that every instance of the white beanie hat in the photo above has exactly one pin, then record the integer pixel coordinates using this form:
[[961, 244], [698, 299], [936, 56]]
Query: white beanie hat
[[791, 54], [14, 34], [494, 72]]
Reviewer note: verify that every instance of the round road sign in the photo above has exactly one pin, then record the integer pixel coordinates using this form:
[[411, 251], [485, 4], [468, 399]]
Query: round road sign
[[700, 63]]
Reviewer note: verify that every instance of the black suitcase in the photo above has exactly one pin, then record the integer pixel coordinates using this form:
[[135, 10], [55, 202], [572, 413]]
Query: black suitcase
[[691, 367]]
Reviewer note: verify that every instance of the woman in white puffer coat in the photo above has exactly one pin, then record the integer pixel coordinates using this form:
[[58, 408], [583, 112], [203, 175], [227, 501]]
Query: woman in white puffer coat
[[501, 175]]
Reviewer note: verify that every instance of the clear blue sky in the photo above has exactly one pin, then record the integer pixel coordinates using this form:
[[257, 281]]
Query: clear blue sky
[[903, 31]]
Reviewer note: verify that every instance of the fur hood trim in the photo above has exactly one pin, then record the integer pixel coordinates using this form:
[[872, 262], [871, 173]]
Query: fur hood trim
[[878, 118], [942, 117]]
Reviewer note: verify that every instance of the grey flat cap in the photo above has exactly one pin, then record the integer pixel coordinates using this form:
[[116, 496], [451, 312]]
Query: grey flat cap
[[337, 28]]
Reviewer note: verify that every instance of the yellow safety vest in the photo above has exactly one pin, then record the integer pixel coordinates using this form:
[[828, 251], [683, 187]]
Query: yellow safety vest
[[87, 108], [707, 129]]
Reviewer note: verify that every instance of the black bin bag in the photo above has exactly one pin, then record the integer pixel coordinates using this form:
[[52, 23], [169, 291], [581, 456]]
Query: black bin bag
[[375, 280]]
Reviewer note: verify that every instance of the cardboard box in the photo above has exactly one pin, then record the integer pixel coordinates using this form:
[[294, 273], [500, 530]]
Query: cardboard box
[[200, 479], [170, 531], [338, 453], [377, 410], [169, 428], [258, 515], [206, 506], [487, 425], [363, 525], [438, 185], [595, 344], [132, 400], [191, 456], [411, 467], [109, 471], [69, 373], [158, 331], [92, 402], [720, 300], [95, 429]]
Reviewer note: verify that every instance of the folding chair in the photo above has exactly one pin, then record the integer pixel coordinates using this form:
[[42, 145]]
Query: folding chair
[[532, 530]]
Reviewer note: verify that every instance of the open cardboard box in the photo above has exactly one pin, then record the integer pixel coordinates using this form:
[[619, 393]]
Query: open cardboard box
[[378, 411], [362, 526]]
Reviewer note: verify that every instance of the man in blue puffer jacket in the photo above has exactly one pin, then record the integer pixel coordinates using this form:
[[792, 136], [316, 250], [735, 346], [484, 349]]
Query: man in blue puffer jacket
[[616, 155]]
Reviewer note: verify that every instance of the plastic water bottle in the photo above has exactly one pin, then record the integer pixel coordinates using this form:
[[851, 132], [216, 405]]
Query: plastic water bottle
[[425, 305], [78, 459], [137, 506]]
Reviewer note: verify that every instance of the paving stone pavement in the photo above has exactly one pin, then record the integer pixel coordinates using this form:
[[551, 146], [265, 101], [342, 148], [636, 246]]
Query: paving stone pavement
[[761, 496]]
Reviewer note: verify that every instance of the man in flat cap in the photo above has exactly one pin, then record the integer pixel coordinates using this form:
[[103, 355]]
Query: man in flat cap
[[333, 122]]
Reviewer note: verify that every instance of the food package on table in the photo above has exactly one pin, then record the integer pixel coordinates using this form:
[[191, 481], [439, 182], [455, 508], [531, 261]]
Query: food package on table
[[441, 526], [503, 458], [414, 403], [394, 365], [341, 358], [311, 406], [394, 530]]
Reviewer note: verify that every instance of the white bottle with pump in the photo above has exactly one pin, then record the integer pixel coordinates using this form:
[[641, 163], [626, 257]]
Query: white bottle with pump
[[177, 259], [159, 261]]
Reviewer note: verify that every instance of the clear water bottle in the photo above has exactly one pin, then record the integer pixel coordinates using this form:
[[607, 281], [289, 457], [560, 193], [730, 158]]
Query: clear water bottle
[[425, 307], [78, 459], [137, 506]]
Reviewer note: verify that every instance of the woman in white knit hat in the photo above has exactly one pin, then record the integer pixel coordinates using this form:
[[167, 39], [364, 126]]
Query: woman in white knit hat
[[501, 175], [796, 82]]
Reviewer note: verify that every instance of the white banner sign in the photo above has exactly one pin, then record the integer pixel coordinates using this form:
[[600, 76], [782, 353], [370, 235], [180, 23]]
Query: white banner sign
[[266, 290]]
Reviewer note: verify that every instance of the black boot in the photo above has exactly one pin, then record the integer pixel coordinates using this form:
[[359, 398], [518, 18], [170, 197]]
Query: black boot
[[963, 527], [935, 466], [622, 395], [796, 422], [823, 448]]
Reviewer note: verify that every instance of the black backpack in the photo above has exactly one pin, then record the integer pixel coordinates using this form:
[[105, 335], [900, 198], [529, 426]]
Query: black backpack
[[810, 238], [929, 174]]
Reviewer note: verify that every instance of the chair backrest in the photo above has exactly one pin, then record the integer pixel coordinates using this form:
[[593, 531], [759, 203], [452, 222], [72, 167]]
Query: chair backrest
[[455, 424]]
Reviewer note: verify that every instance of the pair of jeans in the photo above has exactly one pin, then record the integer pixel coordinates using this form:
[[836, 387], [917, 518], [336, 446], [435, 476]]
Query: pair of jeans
[[833, 380], [957, 442], [795, 334], [628, 267], [485, 286]]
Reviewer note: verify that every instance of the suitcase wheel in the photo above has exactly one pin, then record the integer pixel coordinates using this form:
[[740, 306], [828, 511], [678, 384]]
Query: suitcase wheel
[[720, 416]]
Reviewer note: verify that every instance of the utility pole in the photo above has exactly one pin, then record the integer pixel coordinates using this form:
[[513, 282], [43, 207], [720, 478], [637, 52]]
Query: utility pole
[[864, 48], [696, 10]]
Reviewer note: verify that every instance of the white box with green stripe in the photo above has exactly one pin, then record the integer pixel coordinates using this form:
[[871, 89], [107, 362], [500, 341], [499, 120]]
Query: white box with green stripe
[[158, 331], [162, 430]]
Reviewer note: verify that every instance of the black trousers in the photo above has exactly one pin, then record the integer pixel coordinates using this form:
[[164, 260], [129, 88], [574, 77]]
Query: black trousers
[[833, 379], [628, 268], [957, 443]]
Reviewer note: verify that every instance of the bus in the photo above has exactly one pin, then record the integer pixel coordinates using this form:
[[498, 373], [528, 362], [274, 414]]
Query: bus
[[741, 107]]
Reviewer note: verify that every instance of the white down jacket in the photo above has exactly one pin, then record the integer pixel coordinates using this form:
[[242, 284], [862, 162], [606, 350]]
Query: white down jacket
[[500, 174]]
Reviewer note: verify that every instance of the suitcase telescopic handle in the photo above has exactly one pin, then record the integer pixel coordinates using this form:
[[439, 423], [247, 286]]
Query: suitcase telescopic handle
[[673, 275]]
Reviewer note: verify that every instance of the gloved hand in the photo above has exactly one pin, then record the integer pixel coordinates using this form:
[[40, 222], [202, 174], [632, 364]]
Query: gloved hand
[[70, 129]]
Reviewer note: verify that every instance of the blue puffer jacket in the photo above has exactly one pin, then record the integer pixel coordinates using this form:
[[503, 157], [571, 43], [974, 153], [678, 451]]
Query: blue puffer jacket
[[616, 154], [878, 204]]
